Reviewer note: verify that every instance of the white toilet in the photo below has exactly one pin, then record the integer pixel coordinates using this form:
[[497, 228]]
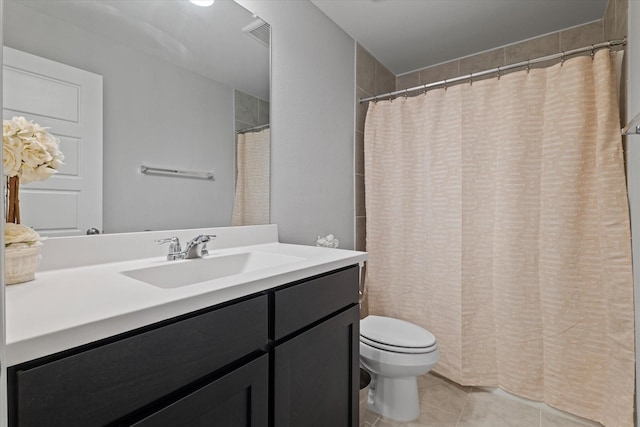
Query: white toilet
[[395, 352]]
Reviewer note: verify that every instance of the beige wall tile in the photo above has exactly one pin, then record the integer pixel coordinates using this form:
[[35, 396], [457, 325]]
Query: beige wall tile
[[361, 233], [622, 9], [263, 112], [360, 204], [385, 79], [361, 109], [623, 94], [534, 48], [609, 20], [581, 36], [439, 72], [365, 70], [482, 61], [359, 153], [615, 19], [246, 108], [408, 80]]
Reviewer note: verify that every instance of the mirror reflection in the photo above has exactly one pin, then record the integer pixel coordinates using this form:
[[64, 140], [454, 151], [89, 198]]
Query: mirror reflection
[[126, 84]]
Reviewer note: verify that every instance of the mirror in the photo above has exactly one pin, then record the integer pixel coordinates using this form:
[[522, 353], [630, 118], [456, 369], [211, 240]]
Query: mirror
[[178, 81]]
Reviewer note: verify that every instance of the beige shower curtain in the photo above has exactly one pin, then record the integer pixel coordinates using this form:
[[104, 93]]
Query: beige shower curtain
[[497, 218], [251, 204]]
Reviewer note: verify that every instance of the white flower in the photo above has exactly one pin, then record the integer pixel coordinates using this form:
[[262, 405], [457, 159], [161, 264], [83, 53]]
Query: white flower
[[29, 150], [11, 160], [38, 173], [17, 233]]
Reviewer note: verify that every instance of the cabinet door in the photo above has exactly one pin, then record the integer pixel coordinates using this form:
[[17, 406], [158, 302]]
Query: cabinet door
[[316, 375], [238, 399]]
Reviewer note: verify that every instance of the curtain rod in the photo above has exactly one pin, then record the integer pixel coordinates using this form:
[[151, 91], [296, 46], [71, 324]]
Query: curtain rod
[[469, 77], [254, 128]]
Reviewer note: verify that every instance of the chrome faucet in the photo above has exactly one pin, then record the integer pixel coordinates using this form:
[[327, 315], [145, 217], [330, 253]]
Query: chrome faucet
[[175, 250], [196, 248]]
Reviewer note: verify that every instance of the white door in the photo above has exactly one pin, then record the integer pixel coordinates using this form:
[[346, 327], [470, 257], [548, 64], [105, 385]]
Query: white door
[[69, 102]]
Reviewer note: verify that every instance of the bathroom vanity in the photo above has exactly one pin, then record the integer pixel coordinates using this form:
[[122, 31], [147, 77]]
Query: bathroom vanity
[[271, 346]]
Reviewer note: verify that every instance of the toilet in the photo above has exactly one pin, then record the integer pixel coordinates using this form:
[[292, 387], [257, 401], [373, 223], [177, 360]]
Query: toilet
[[395, 352]]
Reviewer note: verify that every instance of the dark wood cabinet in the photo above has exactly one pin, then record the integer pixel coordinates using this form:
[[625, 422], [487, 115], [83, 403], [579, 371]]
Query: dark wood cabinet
[[315, 374], [239, 398], [285, 357]]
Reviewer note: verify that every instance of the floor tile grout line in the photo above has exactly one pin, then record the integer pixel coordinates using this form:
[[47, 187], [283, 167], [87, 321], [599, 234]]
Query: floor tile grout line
[[540, 417], [464, 406]]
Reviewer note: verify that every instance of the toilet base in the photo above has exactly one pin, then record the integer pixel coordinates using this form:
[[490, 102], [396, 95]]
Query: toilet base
[[394, 398]]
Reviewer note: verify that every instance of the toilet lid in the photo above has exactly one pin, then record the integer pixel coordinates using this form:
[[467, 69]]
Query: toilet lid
[[391, 333]]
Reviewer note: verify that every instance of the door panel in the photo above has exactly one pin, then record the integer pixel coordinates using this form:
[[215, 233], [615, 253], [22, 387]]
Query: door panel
[[68, 101]]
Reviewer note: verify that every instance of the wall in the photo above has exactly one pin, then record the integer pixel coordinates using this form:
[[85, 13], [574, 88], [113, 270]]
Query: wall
[[169, 135], [249, 111], [372, 77], [312, 122]]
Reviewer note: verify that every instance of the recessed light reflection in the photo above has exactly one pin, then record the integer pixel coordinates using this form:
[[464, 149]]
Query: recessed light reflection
[[203, 3]]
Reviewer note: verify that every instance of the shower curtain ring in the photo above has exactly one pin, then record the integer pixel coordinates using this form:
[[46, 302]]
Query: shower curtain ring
[[406, 93], [470, 79], [593, 51], [528, 66], [445, 85], [498, 73], [562, 59]]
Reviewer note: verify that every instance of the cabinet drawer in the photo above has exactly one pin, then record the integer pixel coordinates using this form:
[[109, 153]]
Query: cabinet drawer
[[307, 302], [98, 386]]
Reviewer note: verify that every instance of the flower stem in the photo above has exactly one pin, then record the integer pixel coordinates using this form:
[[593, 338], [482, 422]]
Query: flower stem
[[13, 214]]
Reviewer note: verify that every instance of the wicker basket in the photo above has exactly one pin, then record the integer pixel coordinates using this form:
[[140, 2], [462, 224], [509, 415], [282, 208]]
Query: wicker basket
[[21, 262]]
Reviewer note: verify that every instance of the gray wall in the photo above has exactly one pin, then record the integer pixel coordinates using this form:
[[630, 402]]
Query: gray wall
[[312, 122], [170, 134]]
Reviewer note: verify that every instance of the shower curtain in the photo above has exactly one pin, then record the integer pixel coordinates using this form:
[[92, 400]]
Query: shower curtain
[[251, 203], [497, 218]]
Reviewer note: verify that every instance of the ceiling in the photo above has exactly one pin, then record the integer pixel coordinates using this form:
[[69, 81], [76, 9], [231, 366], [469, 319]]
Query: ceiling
[[207, 40], [406, 35]]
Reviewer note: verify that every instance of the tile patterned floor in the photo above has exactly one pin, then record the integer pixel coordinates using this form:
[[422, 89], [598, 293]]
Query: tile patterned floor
[[446, 404]]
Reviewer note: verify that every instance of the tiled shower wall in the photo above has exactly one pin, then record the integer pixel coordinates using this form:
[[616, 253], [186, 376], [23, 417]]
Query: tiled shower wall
[[373, 78], [249, 111]]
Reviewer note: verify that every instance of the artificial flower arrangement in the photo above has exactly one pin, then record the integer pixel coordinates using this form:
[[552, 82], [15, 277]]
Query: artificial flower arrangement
[[30, 153]]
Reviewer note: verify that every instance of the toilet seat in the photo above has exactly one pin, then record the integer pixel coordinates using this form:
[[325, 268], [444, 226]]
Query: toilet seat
[[397, 349], [396, 335]]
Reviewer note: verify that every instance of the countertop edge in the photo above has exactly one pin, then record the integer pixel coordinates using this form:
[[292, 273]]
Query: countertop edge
[[36, 347]]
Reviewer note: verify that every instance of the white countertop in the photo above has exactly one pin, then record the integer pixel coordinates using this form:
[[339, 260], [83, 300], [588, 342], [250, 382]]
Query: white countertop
[[78, 304]]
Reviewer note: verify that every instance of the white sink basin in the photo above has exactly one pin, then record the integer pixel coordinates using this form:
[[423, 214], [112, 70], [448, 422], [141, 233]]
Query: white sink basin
[[175, 274]]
